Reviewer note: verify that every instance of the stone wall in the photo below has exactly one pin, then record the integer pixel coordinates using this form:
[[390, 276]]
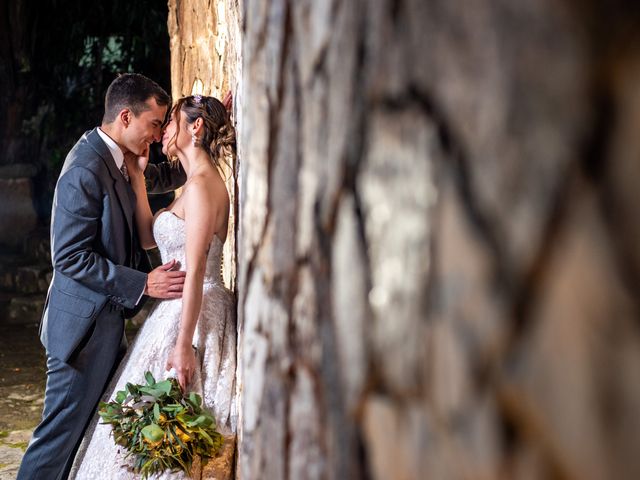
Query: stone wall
[[18, 216], [438, 258]]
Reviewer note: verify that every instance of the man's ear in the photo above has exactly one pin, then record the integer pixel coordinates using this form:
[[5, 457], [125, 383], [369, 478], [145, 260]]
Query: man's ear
[[125, 116]]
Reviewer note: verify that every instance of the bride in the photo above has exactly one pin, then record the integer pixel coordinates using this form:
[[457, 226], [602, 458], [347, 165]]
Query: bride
[[194, 335]]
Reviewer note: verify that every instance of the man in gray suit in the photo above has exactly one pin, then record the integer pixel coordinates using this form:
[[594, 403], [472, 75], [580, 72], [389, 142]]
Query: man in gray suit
[[100, 272]]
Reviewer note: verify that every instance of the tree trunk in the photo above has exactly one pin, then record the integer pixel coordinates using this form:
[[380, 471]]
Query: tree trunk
[[438, 259], [205, 41]]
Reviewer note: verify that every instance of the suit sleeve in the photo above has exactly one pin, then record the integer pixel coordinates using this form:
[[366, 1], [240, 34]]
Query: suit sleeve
[[76, 222], [164, 177]]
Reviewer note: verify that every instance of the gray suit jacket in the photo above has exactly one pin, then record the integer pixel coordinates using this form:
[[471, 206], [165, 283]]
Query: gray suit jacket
[[99, 267]]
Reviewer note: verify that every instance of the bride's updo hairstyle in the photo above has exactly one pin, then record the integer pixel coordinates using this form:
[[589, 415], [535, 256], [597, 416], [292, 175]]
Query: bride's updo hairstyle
[[219, 137]]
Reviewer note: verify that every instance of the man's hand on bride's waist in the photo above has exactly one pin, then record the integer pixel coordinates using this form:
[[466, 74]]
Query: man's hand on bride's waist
[[165, 281]]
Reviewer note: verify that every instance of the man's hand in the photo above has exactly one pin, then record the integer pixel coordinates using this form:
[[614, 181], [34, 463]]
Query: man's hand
[[227, 101], [163, 282]]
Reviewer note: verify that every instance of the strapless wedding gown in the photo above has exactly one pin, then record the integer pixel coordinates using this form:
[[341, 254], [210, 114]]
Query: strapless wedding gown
[[215, 339]]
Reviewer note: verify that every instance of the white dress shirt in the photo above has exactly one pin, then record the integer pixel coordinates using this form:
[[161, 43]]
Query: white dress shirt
[[118, 156], [113, 147]]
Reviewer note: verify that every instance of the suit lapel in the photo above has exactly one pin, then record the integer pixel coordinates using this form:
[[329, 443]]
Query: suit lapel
[[121, 186]]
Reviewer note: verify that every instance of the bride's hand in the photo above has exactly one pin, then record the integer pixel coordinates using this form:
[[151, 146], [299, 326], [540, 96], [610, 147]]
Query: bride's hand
[[136, 164], [183, 360], [227, 101]]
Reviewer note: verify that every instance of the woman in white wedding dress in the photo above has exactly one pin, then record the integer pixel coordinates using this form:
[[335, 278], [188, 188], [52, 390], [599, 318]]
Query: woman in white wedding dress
[[192, 230]]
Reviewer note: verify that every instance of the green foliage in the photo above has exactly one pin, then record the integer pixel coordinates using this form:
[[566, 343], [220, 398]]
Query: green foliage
[[160, 427], [65, 54]]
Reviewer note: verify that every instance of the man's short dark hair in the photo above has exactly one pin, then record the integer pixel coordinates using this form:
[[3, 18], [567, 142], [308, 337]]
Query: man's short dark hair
[[132, 90]]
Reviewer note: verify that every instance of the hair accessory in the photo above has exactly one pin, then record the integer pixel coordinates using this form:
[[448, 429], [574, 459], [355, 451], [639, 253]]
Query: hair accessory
[[197, 98]]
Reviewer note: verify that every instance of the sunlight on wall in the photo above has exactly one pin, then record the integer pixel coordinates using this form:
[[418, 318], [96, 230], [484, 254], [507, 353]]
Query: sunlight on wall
[[205, 61], [198, 87]]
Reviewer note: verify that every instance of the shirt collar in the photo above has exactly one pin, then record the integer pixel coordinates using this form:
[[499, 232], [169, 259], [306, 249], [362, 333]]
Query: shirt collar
[[113, 147]]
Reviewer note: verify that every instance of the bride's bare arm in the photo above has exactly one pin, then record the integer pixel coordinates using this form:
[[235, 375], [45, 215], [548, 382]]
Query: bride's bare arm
[[200, 228], [143, 215]]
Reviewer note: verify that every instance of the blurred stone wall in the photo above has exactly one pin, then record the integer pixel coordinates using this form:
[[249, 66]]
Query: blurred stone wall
[[18, 216], [438, 237]]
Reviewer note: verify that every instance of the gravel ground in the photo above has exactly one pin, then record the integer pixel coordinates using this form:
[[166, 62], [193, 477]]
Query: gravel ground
[[22, 379]]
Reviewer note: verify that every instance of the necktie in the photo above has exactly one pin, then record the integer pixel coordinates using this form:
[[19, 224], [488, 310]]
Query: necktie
[[125, 171]]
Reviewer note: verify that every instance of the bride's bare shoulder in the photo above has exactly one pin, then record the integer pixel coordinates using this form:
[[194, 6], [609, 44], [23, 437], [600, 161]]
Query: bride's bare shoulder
[[205, 190]]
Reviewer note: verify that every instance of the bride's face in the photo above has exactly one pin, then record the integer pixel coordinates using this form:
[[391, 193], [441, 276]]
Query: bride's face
[[174, 140]]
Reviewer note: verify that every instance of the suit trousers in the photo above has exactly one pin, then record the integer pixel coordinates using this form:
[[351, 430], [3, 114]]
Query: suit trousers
[[72, 394]]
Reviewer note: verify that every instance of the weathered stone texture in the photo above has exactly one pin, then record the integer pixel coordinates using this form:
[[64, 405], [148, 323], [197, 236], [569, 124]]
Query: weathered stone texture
[[438, 258]]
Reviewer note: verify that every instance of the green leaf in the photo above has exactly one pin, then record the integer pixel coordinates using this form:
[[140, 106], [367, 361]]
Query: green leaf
[[195, 399], [164, 386], [172, 408], [207, 437], [153, 433], [132, 389], [158, 391], [120, 396], [149, 378], [198, 421], [156, 412]]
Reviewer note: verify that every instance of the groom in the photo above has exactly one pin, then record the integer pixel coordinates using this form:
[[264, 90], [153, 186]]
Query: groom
[[99, 269]]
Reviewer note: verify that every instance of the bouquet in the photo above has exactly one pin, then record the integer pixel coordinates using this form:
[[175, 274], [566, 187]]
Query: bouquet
[[160, 427]]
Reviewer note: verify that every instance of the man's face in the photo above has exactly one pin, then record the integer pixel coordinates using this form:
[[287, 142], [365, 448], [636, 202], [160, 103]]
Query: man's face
[[146, 128]]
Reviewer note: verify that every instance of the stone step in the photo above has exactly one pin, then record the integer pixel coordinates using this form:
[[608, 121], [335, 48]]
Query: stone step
[[34, 247], [19, 278], [18, 216], [37, 245], [21, 309]]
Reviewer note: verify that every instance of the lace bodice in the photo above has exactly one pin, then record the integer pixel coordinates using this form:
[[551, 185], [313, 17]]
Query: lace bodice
[[169, 231]]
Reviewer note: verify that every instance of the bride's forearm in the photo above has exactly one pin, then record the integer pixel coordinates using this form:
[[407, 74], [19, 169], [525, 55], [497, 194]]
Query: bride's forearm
[[143, 215], [191, 304]]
